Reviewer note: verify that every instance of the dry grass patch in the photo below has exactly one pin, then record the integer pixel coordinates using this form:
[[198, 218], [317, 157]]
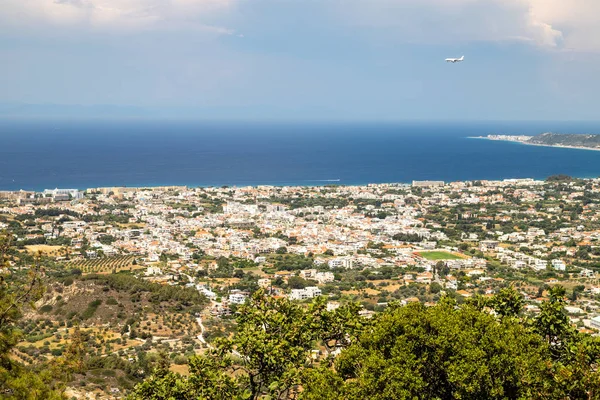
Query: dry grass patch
[[45, 249], [180, 369]]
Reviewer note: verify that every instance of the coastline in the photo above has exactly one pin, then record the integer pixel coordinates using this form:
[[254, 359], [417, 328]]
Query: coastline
[[559, 146], [282, 185]]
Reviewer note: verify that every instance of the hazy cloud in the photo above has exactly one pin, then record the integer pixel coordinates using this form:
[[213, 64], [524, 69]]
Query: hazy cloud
[[114, 14], [547, 23], [435, 21]]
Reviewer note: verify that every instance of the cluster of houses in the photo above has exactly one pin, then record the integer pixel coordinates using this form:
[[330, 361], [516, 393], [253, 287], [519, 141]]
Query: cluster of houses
[[341, 228]]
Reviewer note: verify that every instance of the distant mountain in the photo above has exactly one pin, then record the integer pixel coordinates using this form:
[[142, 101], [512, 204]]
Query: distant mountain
[[571, 140]]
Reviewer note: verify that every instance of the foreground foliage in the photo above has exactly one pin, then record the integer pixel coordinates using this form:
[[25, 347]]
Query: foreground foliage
[[484, 349], [17, 381]]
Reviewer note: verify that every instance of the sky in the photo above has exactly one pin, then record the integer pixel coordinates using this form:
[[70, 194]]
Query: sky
[[302, 59]]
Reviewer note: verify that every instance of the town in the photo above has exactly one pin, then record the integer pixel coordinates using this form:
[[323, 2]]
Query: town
[[374, 245]]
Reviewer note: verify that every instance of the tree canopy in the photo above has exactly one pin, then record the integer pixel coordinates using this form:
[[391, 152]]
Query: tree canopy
[[17, 381], [483, 349]]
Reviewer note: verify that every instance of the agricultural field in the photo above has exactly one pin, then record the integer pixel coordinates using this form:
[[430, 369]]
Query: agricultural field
[[105, 265], [439, 255], [168, 326], [45, 249]]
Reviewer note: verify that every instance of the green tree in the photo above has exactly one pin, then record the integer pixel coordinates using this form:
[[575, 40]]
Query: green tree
[[413, 352], [552, 323], [435, 288], [574, 354], [296, 282], [267, 356], [443, 352], [281, 250], [17, 381], [507, 303]]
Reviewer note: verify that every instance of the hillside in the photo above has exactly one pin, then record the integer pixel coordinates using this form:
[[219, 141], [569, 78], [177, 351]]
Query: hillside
[[123, 322], [571, 140]]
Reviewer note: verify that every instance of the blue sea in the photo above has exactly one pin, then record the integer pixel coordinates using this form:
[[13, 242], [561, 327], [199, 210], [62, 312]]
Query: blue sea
[[37, 154]]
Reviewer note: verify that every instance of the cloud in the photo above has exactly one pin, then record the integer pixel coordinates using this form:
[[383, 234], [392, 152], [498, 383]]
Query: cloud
[[551, 24], [446, 21], [115, 15], [577, 19]]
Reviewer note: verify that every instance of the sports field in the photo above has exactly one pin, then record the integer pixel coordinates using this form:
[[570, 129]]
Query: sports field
[[439, 255]]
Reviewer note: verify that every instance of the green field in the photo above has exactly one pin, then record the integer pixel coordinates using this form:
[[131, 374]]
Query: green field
[[439, 255]]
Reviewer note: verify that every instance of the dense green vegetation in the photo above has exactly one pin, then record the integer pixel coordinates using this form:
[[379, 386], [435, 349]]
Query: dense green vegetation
[[483, 349], [17, 381], [185, 297], [407, 237], [566, 139]]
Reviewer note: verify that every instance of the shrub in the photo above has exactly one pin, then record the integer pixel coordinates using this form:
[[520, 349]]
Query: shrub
[[112, 301], [46, 309], [180, 360]]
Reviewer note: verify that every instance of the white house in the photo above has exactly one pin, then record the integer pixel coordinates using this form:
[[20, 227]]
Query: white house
[[539, 265], [324, 277], [305, 294], [488, 245], [308, 273], [573, 310], [587, 273], [344, 262], [264, 283], [153, 271], [237, 297], [208, 293], [559, 265], [595, 322]]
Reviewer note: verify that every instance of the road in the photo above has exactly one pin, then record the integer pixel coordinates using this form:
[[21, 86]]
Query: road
[[208, 345], [201, 335]]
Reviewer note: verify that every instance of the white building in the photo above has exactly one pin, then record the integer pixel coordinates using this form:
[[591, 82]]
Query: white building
[[153, 271], [587, 273], [324, 277], [427, 183], [63, 193], [539, 265], [559, 265], [237, 297], [305, 294], [488, 245], [573, 310], [308, 274], [276, 208], [595, 322], [208, 293], [264, 283], [341, 262]]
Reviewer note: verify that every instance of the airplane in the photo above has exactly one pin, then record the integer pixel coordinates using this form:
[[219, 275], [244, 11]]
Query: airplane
[[454, 60]]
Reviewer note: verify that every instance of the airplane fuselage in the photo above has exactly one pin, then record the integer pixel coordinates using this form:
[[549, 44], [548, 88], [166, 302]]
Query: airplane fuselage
[[455, 60]]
